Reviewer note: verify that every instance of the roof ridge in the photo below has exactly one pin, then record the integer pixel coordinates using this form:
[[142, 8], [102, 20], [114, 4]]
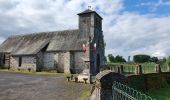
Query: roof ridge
[[37, 33]]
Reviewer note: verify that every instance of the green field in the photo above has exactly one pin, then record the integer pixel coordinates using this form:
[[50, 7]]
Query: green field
[[161, 94], [146, 67]]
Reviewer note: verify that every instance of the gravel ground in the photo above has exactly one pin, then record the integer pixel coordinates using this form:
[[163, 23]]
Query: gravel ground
[[18, 86]]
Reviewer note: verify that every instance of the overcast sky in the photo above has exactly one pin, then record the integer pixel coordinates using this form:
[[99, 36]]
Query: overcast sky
[[130, 26]]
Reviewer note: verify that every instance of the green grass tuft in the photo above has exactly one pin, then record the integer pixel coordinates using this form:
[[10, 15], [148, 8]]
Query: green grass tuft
[[160, 94], [84, 94], [36, 73]]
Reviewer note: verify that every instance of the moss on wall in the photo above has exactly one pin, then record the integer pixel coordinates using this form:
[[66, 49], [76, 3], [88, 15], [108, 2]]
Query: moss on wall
[[148, 81], [137, 82]]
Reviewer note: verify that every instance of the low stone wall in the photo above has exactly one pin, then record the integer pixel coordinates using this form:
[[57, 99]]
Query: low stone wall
[[103, 85], [102, 89], [149, 81]]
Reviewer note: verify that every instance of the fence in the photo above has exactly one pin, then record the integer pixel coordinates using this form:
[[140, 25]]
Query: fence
[[146, 68], [123, 92]]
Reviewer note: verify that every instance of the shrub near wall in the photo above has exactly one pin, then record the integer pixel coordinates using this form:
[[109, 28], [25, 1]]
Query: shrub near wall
[[167, 76], [150, 81], [155, 81], [137, 82]]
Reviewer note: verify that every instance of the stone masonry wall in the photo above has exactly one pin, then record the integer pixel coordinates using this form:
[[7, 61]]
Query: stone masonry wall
[[39, 61], [14, 62], [103, 85], [64, 61], [79, 63], [27, 62], [57, 61], [50, 61], [6, 63], [60, 61]]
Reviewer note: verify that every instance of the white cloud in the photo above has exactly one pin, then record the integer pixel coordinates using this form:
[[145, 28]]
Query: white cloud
[[134, 33], [154, 5], [1, 39], [125, 34]]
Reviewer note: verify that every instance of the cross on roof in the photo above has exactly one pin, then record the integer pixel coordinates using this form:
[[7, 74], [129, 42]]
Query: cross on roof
[[89, 7]]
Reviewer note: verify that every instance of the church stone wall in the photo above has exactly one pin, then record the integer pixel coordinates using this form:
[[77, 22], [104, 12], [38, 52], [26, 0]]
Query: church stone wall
[[14, 62], [67, 62], [39, 60], [4, 60], [50, 60], [78, 61], [27, 62], [59, 61]]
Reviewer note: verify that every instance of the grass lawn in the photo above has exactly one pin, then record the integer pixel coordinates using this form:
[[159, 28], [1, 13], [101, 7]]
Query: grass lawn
[[38, 73], [84, 94], [161, 94]]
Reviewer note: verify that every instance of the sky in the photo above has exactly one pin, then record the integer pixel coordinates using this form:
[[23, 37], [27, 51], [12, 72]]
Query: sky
[[129, 26]]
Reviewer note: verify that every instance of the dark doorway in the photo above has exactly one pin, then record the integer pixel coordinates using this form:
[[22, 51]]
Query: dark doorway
[[4, 59], [20, 61], [98, 63]]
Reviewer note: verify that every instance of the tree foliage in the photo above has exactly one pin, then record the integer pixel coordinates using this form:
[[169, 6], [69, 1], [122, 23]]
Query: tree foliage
[[116, 59], [168, 60], [105, 58], [119, 59], [141, 58], [154, 59], [111, 58]]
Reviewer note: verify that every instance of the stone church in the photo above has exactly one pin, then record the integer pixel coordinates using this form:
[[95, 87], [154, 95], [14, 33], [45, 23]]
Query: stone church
[[69, 51]]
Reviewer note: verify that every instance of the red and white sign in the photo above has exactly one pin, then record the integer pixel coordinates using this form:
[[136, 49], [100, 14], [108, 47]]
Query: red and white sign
[[84, 47], [94, 47]]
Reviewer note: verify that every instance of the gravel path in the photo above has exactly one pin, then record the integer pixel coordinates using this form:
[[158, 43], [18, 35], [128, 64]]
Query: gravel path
[[18, 86]]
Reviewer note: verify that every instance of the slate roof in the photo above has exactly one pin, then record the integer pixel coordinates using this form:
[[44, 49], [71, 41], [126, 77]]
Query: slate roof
[[89, 11], [68, 40]]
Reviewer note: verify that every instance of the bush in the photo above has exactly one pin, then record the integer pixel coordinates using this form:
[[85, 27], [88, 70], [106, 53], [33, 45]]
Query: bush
[[29, 69], [141, 58], [111, 58], [18, 69], [116, 59]]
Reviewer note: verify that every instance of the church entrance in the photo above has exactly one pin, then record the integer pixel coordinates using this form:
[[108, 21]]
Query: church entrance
[[98, 63]]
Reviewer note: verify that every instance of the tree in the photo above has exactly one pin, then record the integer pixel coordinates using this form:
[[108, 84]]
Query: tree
[[164, 59], [141, 58], [105, 58], [119, 59], [168, 60], [116, 59], [154, 59], [111, 57]]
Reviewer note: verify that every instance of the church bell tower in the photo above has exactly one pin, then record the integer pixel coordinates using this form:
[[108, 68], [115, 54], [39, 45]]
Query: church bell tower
[[90, 29]]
